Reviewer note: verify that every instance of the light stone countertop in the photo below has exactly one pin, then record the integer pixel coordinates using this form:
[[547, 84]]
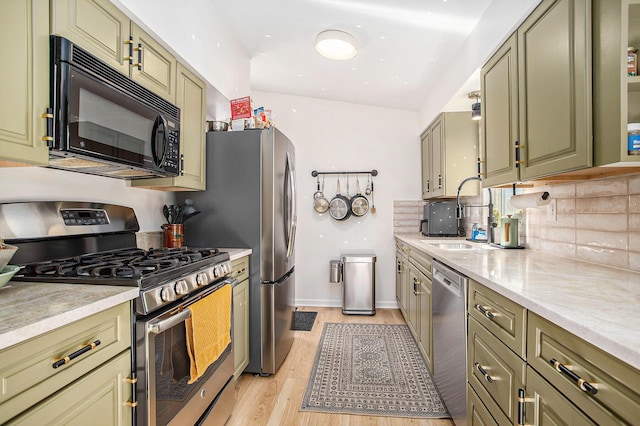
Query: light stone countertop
[[30, 309], [597, 303]]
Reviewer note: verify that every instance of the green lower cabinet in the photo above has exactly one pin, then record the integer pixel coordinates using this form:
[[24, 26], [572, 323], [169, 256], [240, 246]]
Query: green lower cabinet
[[494, 372], [99, 398], [544, 405], [477, 413], [240, 327]]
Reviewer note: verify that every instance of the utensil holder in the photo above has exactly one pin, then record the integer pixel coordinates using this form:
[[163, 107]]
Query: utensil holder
[[172, 235]]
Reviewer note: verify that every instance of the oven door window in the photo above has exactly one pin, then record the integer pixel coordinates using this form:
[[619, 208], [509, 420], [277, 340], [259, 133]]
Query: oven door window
[[105, 122], [172, 372]]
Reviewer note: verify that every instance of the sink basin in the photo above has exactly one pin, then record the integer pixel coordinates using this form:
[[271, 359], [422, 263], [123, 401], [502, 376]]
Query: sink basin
[[452, 246], [458, 245]]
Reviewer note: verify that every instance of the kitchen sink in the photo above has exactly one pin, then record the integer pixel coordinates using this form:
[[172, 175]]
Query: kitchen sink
[[457, 245], [452, 246]]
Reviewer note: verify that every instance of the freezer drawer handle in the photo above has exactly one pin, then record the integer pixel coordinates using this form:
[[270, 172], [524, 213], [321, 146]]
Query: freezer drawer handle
[[484, 311], [484, 373], [67, 359], [582, 383]]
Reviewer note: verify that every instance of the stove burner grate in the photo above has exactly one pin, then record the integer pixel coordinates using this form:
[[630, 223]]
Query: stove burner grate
[[129, 263]]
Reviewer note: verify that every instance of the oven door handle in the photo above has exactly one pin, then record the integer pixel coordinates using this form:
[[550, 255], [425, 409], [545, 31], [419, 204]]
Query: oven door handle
[[164, 325]]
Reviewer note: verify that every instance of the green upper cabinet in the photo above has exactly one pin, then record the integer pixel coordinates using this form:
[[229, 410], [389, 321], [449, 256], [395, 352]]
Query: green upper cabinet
[[616, 95], [425, 149], [499, 85], [449, 155], [24, 25], [191, 99], [542, 76], [103, 30]]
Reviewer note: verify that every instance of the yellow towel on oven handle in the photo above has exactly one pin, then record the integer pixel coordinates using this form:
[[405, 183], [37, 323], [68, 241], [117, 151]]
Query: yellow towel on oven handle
[[208, 330]]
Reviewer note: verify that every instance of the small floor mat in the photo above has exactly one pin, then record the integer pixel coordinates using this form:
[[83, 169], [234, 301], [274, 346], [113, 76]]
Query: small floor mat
[[303, 320]]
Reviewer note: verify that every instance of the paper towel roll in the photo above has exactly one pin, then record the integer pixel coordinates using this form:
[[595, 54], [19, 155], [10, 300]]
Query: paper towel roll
[[537, 199]]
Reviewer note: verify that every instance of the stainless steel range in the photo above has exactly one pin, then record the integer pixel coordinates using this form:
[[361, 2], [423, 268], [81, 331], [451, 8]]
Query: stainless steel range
[[94, 243]]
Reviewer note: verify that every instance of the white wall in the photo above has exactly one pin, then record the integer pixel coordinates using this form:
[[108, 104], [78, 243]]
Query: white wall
[[342, 136], [42, 184], [497, 23]]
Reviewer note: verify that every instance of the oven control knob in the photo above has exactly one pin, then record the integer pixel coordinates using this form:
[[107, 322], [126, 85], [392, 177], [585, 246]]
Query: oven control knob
[[181, 287], [216, 272], [201, 279], [167, 294]]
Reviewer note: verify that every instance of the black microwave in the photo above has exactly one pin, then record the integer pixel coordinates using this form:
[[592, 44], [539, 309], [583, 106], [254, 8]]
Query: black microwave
[[104, 123]]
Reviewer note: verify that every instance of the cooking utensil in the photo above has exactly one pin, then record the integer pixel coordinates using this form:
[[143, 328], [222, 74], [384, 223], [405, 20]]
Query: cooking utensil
[[359, 203], [166, 213], [339, 207], [367, 191], [320, 203], [373, 204], [217, 126]]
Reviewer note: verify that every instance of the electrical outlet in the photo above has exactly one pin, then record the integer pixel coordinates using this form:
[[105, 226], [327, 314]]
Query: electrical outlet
[[552, 212]]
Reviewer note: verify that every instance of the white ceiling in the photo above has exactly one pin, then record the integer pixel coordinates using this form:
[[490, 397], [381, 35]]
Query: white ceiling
[[403, 46]]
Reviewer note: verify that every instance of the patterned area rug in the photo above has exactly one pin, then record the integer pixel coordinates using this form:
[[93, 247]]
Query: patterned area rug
[[371, 369]]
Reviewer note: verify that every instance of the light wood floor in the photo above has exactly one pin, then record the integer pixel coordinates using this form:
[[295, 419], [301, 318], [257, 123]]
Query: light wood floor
[[275, 400]]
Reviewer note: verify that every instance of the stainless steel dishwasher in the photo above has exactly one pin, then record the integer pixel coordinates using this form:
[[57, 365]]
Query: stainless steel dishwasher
[[450, 338]]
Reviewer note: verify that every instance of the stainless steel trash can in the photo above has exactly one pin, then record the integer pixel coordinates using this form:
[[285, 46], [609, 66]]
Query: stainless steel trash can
[[358, 284]]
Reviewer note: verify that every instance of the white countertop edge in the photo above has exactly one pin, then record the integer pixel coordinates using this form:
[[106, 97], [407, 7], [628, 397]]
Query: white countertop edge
[[237, 253], [46, 325], [624, 350]]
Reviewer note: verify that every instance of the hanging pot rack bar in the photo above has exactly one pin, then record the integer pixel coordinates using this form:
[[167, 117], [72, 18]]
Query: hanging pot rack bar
[[373, 172]]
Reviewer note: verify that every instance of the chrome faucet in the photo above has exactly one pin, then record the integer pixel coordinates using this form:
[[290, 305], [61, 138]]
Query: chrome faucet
[[491, 224]]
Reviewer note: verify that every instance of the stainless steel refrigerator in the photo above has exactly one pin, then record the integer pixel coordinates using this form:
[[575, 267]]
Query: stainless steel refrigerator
[[250, 201]]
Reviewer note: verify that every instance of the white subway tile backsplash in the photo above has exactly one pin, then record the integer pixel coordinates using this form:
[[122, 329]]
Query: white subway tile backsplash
[[617, 204], [602, 222], [603, 187], [597, 221], [614, 240], [609, 257], [634, 184]]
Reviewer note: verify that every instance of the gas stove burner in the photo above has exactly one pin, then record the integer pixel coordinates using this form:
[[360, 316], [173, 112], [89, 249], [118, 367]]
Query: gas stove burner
[[124, 266]]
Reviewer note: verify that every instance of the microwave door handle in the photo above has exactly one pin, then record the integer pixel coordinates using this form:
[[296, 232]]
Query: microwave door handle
[[159, 123], [164, 325]]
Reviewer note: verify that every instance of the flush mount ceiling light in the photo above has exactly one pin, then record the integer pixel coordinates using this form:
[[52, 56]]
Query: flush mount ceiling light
[[337, 45], [476, 112]]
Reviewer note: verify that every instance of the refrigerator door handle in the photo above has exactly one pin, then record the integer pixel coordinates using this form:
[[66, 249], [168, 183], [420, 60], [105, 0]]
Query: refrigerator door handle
[[291, 208]]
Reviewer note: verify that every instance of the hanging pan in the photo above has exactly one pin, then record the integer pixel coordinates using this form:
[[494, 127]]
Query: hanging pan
[[320, 203], [359, 203], [339, 207]]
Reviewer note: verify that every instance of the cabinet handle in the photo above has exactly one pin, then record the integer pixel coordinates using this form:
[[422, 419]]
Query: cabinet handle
[[415, 286], [484, 373], [48, 137], [67, 359], [139, 50], [518, 161], [484, 311], [439, 181], [181, 164], [129, 42], [582, 383], [479, 171]]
